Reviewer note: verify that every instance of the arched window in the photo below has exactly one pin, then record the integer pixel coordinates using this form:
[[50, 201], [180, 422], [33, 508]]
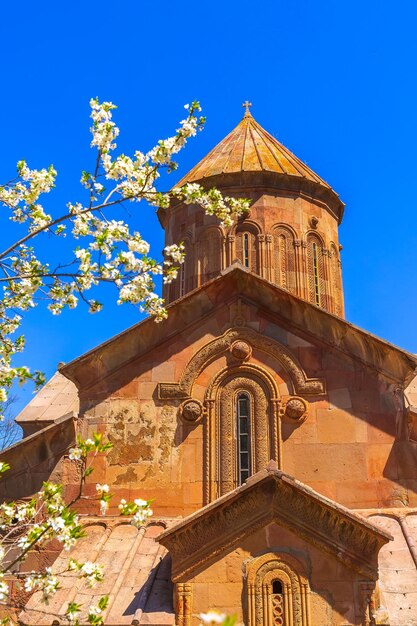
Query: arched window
[[315, 271], [284, 259], [278, 591], [210, 259], [243, 437], [277, 604], [246, 247], [185, 271]]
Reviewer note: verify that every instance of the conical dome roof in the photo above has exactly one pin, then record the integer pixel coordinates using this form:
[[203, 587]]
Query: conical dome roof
[[250, 148]]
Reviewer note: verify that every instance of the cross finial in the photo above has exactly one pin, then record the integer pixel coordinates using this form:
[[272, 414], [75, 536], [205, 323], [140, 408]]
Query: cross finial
[[247, 104]]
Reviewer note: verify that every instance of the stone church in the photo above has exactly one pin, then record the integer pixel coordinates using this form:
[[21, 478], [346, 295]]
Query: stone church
[[278, 441]]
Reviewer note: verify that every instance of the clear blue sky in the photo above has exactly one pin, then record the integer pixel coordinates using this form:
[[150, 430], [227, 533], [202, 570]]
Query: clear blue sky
[[334, 80]]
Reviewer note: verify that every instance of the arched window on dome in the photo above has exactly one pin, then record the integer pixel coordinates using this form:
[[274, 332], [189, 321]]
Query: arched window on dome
[[316, 289], [246, 247], [243, 437], [183, 282], [284, 259], [210, 254]]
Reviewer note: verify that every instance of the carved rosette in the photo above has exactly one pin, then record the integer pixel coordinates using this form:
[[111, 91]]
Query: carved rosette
[[191, 410], [294, 409], [241, 350]]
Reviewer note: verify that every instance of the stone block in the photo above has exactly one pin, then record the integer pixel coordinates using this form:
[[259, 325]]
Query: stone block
[[340, 398]]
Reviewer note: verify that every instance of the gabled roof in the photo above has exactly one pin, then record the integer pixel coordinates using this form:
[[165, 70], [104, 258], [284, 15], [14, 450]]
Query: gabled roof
[[249, 148], [300, 317], [273, 496], [136, 577]]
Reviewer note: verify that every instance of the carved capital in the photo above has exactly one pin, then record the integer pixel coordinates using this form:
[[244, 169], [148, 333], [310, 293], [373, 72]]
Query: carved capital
[[269, 238]]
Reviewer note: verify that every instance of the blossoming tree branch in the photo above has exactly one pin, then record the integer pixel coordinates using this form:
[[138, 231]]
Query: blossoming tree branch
[[108, 251]]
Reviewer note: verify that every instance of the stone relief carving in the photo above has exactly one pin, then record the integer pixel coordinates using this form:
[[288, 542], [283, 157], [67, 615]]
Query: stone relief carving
[[349, 540], [220, 463], [294, 408], [191, 410], [260, 573], [301, 383], [226, 456], [241, 350]]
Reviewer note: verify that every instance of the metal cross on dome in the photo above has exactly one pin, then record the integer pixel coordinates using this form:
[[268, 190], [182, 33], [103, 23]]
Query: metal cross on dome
[[247, 104]]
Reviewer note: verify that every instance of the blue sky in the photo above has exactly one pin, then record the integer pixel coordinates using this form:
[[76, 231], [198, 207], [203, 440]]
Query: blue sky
[[333, 80]]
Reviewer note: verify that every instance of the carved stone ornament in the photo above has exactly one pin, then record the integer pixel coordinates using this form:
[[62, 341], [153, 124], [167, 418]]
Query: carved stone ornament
[[314, 221], [273, 496], [300, 381], [191, 410], [241, 350], [295, 408]]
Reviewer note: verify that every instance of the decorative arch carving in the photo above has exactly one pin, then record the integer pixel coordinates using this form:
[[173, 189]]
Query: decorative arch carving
[[263, 603], [247, 245], [299, 381], [284, 258], [254, 226], [221, 467]]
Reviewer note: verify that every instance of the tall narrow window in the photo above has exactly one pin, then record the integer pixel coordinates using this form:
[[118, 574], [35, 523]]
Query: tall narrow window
[[210, 255], [246, 247], [243, 437], [246, 250], [277, 604], [316, 282], [182, 279], [316, 275]]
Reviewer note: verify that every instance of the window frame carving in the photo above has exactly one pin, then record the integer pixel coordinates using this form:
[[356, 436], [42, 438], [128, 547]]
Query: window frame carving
[[260, 574], [239, 434], [220, 449], [316, 280], [252, 231], [284, 262]]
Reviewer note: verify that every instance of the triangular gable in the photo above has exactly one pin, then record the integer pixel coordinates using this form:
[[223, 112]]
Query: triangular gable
[[271, 495], [297, 315]]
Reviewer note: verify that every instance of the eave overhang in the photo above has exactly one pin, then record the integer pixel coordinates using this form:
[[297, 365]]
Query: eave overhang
[[273, 496], [299, 316]]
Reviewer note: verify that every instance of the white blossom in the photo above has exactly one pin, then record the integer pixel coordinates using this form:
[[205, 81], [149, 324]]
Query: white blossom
[[212, 617]]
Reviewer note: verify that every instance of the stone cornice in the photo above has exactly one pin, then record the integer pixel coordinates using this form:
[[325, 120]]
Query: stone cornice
[[273, 496]]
